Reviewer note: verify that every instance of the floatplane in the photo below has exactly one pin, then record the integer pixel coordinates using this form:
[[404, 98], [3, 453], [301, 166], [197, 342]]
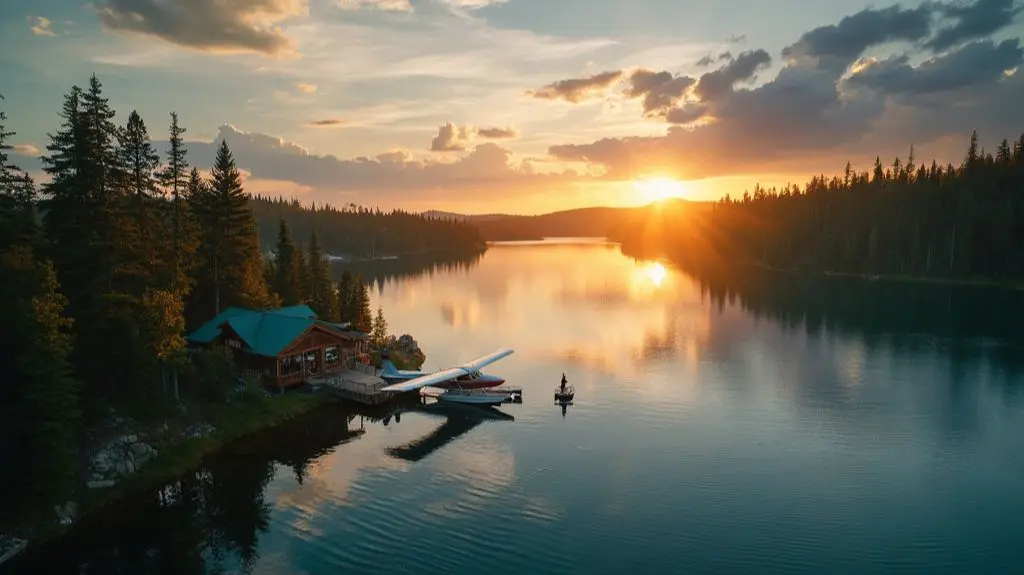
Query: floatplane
[[473, 379], [461, 384]]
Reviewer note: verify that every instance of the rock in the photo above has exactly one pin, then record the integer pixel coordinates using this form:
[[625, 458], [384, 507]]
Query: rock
[[119, 458], [100, 483], [10, 547], [199, 431], [66, 514]]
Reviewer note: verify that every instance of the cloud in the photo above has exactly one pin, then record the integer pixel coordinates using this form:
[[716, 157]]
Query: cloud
[[977, 63], [715, 84], [660, 90], [305, 87], [452, 138], [27, 150], [383, 5], [472, 4], [837, 46], [41, 26], [497, 133], [977, 20], [818, 108], [487, 169], [229, 26], [576, 90], [328, 123]]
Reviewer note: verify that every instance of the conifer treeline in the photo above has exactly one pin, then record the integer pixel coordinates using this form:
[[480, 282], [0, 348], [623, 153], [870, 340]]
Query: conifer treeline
[[102, 267], [963, 221], [361, 232], [299, 276]]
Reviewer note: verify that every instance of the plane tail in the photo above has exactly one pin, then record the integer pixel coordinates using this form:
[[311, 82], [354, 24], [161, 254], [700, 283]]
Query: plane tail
[[386, 365]]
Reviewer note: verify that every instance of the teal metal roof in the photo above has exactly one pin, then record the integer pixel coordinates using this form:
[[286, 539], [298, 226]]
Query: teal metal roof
[[210, 330], [301, 310], [267, 332]]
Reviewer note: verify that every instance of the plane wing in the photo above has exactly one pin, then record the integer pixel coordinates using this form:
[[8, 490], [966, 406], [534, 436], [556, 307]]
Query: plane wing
[[483, 361], [451, 373]]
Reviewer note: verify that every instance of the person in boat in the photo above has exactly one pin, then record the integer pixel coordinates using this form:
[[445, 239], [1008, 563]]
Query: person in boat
[[564, 381]]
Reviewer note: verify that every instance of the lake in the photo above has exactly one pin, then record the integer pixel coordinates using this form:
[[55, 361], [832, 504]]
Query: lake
[[773, 425]]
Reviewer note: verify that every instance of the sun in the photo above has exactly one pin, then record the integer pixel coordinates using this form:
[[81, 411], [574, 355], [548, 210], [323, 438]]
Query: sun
[[657, 273], [658, 189]]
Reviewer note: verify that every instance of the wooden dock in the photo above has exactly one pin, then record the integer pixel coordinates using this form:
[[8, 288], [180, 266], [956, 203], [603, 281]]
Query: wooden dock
[[358, 386]]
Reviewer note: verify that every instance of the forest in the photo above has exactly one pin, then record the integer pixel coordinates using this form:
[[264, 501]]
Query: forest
[[963, 222], [359, 232], [105, 267]]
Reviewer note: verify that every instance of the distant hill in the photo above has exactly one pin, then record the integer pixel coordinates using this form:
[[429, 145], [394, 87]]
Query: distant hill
[[581, 222]]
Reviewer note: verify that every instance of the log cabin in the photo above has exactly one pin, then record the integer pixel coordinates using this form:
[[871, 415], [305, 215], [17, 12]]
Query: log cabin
[[283, 347]]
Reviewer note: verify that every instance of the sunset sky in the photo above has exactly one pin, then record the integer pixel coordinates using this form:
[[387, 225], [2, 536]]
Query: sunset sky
[[526, 106]]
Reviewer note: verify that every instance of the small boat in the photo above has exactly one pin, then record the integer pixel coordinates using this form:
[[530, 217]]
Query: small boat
[[566, 394], [473, 396]]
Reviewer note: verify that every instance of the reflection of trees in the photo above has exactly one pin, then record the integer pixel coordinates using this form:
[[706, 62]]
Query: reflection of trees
[[874, 310], [208, 521], [411, 266], [965, 324]]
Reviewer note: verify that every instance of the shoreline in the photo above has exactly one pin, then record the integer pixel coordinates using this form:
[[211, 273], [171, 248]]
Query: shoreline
[[1015, 285], [176, 456]]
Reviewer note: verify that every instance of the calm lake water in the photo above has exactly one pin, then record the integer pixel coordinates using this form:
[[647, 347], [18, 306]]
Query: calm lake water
[[783, 426]]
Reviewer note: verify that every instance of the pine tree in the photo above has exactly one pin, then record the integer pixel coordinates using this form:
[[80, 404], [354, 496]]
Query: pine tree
[[362, 317], [144, 238], [346, 297], [233, 266], [35, 345], [321, 289], [379, 329], [17, 197], [177, 183], [287, 279], [304, 281]]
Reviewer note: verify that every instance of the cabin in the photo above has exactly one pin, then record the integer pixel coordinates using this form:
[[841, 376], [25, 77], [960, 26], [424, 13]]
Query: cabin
[[285, 346]]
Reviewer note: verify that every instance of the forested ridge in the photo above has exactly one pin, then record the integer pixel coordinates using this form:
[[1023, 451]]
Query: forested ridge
[[907, 219], [360, 232], [105, 267]]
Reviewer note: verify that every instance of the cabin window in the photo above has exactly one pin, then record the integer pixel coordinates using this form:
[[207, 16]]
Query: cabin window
[[332, 355], [312, 359], [291, 364]]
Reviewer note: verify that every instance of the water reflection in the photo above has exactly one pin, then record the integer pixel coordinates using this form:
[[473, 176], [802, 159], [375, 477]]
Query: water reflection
[[458, 420], [381, 272], [211, 520], [747, 424]]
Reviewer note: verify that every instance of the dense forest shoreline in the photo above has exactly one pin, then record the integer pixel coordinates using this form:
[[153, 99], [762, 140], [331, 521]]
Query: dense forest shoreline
[[104, 269], [927, 222]]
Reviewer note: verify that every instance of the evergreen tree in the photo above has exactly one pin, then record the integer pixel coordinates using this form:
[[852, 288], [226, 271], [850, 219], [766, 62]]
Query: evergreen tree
[[41, 393], [86, 223], [178, 185], [17, 197], [346, 297], [321, 289], [233, 271], [379, 329], [287, 282], [144, 237], [362, 317], [304, 281]]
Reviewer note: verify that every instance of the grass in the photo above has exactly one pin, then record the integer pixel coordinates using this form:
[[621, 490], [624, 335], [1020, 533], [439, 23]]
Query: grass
[[178, 455]]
